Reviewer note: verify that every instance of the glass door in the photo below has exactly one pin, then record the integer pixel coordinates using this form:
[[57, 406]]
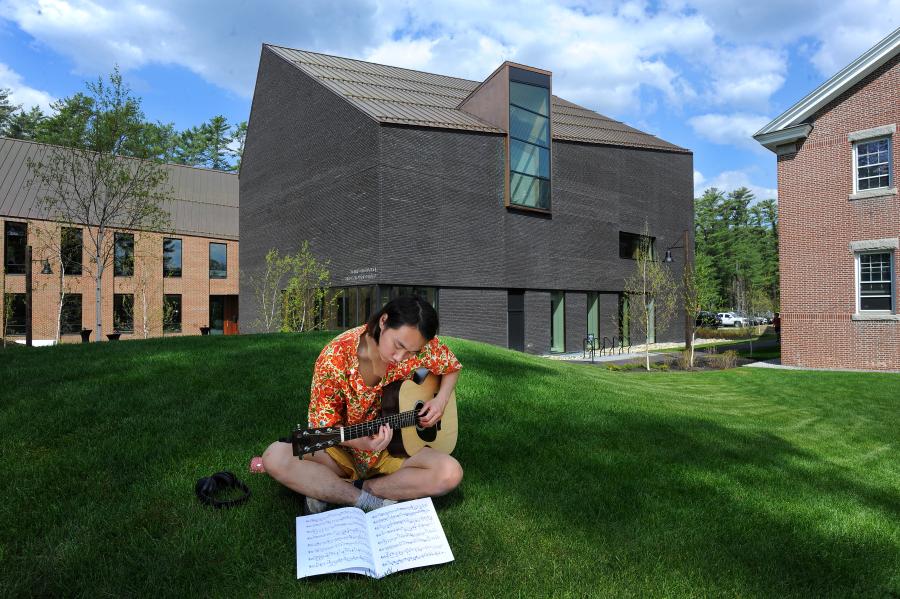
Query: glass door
[[217, 315]]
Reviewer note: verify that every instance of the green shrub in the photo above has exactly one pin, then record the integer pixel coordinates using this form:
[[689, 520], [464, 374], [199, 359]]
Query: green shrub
[[727, 359], [730, 333]]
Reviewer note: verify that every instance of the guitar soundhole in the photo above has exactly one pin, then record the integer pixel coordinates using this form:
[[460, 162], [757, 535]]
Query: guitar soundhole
[[427, 434]]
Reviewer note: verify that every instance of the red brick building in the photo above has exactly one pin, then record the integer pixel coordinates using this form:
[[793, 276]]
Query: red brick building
[[157, 283], [839, 216]]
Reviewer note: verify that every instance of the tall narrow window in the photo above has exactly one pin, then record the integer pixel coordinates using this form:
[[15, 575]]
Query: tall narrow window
[[171, 257], [70, 321], [218, 261], [593, 321], [557, 321], [72, 246], [123, 312], [14, 305], [15, 238], [172, 313], [123, 264], [529, 139], [876, 282], [873, 164]]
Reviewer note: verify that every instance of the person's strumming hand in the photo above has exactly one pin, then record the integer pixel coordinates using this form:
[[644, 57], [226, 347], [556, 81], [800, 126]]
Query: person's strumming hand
[[376, 442], [433, 410]]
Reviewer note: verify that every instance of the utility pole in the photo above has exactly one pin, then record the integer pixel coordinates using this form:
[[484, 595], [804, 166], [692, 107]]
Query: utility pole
[[28, 295]]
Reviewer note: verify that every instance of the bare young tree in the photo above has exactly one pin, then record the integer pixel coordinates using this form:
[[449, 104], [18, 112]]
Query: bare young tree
[[652, 294], [696, 295], [305, 294], [291, 291], [266, 289], [4, 313], [101, 180], [148, 287]]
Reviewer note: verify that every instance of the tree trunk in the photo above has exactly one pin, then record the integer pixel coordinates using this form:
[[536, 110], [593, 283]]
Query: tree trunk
[[647, 338], [693, 337], [62, 297], [98, 280]]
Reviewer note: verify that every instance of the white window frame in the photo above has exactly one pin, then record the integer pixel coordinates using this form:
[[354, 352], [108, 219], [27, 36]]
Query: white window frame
[[890, 163], [893, 281]]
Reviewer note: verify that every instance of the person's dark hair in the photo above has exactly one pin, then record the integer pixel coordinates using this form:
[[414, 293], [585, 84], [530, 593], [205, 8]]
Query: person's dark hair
[[409, 310]]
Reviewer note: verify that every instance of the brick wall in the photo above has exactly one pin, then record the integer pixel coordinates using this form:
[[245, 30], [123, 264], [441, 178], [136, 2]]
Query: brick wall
[[194, 285], [474, 314], [818, 222]]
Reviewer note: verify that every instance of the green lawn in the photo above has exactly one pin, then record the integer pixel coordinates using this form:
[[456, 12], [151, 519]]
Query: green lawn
[[747, 483]]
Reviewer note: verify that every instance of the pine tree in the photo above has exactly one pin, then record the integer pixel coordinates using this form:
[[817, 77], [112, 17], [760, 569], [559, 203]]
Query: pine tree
[[25, 125], [6, 110]]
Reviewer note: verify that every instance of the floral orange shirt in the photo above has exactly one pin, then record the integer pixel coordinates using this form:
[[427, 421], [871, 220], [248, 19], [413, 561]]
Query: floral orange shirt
[[339, 396]]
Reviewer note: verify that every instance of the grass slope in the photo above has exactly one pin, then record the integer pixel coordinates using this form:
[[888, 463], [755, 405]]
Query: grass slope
[[750, 482]]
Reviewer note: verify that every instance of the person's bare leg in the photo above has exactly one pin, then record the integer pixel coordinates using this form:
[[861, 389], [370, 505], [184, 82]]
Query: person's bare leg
[[317, 476], [429, 473]]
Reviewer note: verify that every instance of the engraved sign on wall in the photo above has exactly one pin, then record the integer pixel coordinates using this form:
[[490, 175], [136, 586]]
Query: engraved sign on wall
[[367, 273]]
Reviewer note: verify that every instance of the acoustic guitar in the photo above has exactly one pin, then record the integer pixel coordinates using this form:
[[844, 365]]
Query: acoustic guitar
[[401, 402]]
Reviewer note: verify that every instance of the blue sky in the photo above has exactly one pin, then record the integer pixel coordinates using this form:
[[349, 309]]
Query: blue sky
[[704, 74]]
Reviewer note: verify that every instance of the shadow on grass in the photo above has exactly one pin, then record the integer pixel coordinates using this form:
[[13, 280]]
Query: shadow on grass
[[753, 513]]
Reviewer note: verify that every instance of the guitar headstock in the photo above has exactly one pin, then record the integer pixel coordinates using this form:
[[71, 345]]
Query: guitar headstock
[[311, 440]]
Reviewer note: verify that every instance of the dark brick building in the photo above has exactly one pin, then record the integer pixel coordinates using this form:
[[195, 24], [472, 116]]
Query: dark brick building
[[839, 216], [506, 206]]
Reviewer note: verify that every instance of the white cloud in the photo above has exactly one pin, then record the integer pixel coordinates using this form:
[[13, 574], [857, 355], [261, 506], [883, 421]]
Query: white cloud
[[747, 76], [219, 41], [699, 179], [22, 94], [847, 42], [730, 180], [842, 29], [730, 129], [409, 54]]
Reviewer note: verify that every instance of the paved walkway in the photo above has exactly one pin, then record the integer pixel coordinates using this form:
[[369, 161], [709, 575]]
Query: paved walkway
[[776, 363]]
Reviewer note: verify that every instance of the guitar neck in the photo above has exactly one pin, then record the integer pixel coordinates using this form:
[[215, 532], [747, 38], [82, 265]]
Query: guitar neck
[[365, 429]]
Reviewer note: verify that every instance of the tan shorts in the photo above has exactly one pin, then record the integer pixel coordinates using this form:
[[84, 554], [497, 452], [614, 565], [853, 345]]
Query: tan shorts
[[386, 464]]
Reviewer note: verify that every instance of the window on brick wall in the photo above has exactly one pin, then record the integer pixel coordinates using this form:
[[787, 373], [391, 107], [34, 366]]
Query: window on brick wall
[[218, 261], [171, 257], [14, 304], [72, 245], [172, 313], [70, 319], [630, 243], [872, 164], [123, 263], [123, 312], [529, 139], [15, 238], [875, 273]]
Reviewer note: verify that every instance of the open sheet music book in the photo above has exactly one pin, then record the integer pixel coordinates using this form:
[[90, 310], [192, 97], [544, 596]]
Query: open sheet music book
[[393, 538]]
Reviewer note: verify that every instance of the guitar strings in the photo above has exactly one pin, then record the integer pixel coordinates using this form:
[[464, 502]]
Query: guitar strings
[[401, 420]]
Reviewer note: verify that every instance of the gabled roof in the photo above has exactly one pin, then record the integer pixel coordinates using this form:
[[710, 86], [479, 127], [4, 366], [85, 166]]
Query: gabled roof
[[792, 124], [206, 201], [407, 97]]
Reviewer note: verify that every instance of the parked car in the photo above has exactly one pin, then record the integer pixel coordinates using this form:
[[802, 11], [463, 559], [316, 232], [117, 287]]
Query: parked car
[[730, 319], [708, 319]]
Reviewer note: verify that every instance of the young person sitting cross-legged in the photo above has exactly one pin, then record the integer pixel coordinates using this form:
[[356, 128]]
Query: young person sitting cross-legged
[[346, 390]]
